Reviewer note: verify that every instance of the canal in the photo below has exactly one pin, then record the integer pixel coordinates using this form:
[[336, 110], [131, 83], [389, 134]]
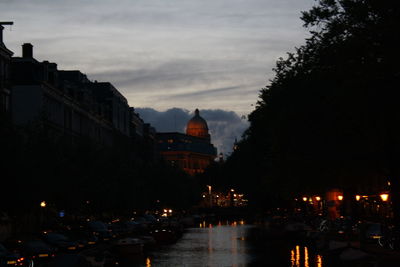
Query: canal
[[232, 244]]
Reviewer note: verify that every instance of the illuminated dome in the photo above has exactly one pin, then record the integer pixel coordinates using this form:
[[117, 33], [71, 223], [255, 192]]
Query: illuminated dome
[[197, 126]]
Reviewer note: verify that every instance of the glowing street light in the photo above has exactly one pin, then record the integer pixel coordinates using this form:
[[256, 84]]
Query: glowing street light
[[305, 199], [317, 198], [358, 197], [340, 197], [43, 204], [384, 197]]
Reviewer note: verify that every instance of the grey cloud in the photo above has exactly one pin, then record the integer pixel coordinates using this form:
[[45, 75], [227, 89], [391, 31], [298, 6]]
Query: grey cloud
[[209, 92], [164, 53], [171, 120], [224, 125], [178, 74], [185, 82]]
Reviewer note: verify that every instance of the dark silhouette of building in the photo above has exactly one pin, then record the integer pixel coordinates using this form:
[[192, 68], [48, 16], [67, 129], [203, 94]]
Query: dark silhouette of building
[[60, 102], [136, 124], [66, 103], [5, 58], [117, 108], [193, 151]]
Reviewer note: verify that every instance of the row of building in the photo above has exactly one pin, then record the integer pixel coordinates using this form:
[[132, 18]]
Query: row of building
[[66, 103]]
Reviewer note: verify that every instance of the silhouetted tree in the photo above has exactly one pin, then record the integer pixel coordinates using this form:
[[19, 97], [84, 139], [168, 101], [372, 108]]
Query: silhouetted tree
[[83, 178], [329, 116]]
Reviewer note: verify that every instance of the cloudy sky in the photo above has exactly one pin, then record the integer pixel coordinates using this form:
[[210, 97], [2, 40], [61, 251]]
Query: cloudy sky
[[224, 126], [163, 54]]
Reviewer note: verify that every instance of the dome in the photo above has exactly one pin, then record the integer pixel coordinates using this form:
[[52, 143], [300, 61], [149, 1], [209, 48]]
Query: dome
[[197, 126]]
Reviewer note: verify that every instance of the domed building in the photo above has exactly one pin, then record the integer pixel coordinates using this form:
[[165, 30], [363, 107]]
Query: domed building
[[197, 126], [193, 151]]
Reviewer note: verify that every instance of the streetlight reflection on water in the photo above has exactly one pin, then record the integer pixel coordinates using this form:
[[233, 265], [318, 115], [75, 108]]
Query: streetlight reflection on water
[[231, 243], [204, 224], [299, 257]]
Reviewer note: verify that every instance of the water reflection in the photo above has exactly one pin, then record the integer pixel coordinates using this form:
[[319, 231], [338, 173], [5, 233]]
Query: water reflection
[[297, 259], [148, 262], [319, 261], [233, 244], [213, 245]]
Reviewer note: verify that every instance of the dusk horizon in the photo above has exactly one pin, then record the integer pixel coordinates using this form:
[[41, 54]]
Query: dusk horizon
[[139, 133], [162, 54]]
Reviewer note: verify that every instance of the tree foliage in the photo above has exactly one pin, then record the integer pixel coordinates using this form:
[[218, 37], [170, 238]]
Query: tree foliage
[[84, 178], [329, 117]]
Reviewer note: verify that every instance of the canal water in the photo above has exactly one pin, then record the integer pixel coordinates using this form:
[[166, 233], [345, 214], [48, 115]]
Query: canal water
[[231, 244]]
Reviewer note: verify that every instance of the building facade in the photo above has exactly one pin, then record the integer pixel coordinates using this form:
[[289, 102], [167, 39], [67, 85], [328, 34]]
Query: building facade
[[5, 93], [65, 103], [192, 152], [60, 102]]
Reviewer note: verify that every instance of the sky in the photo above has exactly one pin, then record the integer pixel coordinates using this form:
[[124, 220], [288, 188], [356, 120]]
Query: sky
[[214, 55], [224, 126]]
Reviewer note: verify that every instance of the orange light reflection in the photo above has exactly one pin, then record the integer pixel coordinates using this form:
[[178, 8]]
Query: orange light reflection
[[292, 258], [306, 264], [297, 256], [319, 261]]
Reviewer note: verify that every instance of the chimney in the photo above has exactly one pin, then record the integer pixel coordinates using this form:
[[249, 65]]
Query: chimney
[[1, 28], [27, 50]]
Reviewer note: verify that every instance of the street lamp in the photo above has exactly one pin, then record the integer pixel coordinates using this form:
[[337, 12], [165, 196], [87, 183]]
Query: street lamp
[[358, 197], [43, 204], [384, 197], [209, 193], [340, 197], [305, 199]]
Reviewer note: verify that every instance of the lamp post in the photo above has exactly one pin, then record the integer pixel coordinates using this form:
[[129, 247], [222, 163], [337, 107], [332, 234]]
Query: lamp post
[[43, 205], [384, 197], [231, 197], [209, 193], [318, 204]]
